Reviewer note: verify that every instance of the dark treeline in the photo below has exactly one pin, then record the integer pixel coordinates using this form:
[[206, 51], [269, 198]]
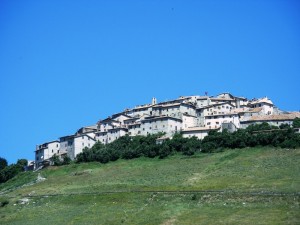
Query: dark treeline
[[9, 171], [254, 135], [133, 147]]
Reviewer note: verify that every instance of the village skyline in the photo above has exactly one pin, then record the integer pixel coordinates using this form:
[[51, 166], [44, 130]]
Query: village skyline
[[66, 64]]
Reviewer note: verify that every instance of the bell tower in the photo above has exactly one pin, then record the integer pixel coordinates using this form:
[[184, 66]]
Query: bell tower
[[154, 101]]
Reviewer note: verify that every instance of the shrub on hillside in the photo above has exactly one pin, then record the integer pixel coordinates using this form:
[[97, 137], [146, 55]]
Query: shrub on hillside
[[296, 123], [3, 163], [4, 203], [164, 150], [254, 135], [11, 171], [191, 146]]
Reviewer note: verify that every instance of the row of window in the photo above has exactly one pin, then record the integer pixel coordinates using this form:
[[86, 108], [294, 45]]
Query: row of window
[[217, 117], [208, 123], [83, 137], [89, 145], [218, 107]]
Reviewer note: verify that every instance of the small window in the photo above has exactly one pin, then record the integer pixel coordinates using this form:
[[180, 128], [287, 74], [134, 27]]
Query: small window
[[82, 137], [82, 144]]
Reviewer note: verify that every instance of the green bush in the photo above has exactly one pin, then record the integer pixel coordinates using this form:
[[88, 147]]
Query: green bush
[[255, 135], [4, 203], [10, 171], [296, 123], [164, 150], [3, 163]]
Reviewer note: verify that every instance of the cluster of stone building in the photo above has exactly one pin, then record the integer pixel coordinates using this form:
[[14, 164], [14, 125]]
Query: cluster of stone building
[[190, 115]]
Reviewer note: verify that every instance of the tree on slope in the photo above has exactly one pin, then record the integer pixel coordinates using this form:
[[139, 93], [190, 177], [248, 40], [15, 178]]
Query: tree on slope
[[296, 123], [3, 163]]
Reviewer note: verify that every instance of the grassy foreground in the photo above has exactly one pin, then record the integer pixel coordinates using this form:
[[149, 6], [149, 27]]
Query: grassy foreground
[[245, 186]]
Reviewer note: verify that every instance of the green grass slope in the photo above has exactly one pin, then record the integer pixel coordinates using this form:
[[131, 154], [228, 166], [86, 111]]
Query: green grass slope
[[245, 186]]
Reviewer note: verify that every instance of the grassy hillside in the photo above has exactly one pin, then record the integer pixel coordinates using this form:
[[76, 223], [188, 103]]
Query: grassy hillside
[[248, 186]]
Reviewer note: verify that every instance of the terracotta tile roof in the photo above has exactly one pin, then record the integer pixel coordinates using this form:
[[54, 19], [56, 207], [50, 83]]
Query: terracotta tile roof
[[250, 110], [289, 116], [163, 117], [167, 105]]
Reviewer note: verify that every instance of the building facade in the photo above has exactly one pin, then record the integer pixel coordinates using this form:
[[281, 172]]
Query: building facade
[[45, 151]]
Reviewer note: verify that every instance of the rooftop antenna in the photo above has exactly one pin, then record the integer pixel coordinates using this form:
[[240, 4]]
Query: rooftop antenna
[[206, 93]]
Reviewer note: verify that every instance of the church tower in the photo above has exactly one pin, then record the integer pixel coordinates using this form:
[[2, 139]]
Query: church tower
[[154, 101]]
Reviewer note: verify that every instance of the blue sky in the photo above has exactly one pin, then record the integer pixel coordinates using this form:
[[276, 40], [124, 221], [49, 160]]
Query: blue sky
[[67, 64]]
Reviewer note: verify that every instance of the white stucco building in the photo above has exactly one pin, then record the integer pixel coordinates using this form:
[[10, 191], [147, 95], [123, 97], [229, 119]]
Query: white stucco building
[[74, 144], [198, 132], [274, 120], [45, 151], [265, 104]]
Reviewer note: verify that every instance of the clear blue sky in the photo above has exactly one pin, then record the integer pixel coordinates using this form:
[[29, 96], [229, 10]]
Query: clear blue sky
[[67, 64]]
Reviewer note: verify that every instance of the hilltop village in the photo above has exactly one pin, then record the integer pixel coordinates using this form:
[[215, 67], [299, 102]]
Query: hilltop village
[[189, 115]]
